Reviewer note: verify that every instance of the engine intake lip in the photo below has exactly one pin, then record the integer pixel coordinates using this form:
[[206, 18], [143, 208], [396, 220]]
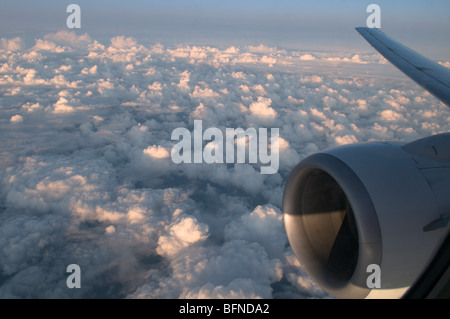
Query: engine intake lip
[[348, 278]]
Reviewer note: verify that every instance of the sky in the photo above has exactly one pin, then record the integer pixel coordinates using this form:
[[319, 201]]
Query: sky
[[287, 23], [87, 116]]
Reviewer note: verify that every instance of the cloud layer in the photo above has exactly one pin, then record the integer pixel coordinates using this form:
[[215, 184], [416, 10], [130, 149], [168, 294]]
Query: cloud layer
[[86, 175]]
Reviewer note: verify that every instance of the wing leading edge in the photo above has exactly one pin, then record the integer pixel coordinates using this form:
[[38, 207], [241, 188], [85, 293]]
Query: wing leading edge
[[432, 76]]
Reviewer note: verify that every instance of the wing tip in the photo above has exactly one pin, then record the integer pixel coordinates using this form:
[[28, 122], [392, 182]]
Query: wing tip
[[367, 29], [434, 78]]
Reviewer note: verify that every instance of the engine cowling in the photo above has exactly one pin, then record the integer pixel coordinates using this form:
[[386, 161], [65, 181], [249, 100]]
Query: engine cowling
[[382, 204]]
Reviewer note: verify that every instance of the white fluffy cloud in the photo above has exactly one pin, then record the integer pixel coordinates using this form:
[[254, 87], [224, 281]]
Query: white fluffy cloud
[[157, 151], [16, 118], [182, 233], [261, 108], [13, 44], [86, 175], [70, 39], [123, 43]]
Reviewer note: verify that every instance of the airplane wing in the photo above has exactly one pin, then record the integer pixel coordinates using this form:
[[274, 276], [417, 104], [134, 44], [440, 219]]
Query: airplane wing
[[432, 76]]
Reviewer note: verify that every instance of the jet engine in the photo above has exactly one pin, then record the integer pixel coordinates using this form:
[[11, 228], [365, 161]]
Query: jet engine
[[383, 204]]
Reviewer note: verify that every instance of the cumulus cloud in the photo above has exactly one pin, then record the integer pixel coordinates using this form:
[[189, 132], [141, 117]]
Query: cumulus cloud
[[87, 178], [13, 44], [184, 232], [354, 59], [69, 38], [261, 108], [16, 118], [157, 151], [307, 57], [45, 45], [311, 79], [264, 225], [123, 43], [390, 115]]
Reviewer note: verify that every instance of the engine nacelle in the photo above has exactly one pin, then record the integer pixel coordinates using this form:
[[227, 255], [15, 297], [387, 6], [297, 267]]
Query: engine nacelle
[[383, 204]]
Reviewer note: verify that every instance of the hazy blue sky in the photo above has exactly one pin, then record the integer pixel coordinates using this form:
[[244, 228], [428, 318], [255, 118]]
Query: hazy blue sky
[[288, 23]]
